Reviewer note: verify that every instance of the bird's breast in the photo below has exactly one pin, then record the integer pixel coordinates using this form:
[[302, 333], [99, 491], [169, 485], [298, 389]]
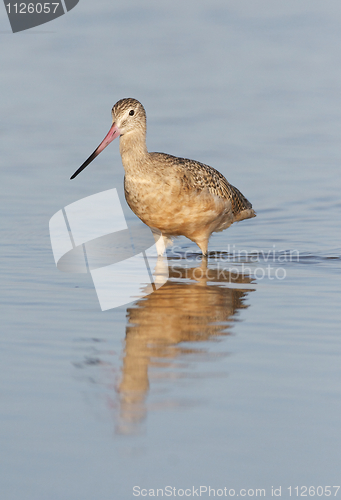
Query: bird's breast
[[165, 204]]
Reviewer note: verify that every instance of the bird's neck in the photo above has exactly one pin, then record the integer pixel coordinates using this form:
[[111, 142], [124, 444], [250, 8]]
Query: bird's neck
[[133, 151]]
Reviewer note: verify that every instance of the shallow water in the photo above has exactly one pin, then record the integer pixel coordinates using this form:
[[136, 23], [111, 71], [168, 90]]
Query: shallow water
[[227, 376]]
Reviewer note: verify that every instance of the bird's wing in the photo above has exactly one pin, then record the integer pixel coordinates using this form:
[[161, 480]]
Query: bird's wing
[[198, 176]]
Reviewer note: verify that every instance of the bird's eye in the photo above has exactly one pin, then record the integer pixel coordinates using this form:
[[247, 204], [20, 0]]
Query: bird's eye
[[131, 112]]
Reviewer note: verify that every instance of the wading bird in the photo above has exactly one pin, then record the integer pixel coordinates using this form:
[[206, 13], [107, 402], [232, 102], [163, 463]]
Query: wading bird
[[173, 196]]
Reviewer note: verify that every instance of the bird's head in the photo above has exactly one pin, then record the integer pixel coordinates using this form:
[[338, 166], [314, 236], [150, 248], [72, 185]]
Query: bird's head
[[128, 117]]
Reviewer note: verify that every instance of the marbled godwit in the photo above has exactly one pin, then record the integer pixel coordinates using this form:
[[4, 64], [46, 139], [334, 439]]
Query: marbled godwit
[[174, 196]]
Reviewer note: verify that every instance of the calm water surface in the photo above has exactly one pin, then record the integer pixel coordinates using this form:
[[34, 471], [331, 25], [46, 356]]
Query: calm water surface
[[228, 375]]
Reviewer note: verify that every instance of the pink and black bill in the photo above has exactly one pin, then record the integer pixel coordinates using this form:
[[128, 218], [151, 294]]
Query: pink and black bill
[[111, 135]]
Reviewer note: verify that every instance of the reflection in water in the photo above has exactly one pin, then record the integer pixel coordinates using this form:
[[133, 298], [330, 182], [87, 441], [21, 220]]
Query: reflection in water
[[194, 305]]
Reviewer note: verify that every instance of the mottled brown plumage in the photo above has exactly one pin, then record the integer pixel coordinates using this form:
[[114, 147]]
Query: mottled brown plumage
[[174, 196]]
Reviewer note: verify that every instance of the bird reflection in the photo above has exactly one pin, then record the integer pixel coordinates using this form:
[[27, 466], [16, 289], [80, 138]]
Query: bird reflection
[[195, 305]]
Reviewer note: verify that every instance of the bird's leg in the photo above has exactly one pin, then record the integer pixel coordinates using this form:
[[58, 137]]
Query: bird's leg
[[161, 242], [203, 244]]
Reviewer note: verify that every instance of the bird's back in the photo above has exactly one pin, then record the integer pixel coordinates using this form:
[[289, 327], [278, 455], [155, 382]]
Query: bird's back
[[198, 177]]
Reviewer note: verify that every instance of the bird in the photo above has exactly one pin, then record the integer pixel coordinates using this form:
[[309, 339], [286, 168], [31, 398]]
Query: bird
[[173, 196]]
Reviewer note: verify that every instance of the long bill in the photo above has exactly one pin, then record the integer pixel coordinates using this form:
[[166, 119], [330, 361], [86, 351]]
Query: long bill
[[111, 135]]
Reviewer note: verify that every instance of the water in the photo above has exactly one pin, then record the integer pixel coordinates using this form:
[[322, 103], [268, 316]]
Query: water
[[223, 381]]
